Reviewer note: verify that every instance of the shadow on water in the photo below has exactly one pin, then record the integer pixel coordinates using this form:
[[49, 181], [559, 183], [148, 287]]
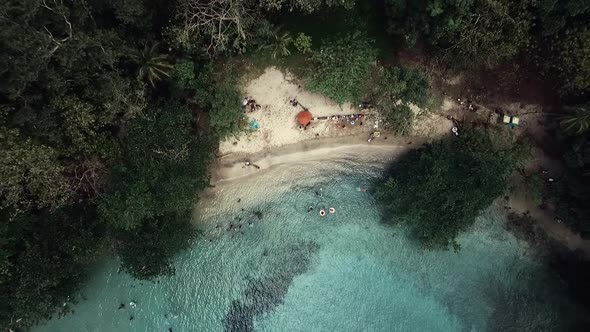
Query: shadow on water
[[574, 272], [262, 295], [389, 170]]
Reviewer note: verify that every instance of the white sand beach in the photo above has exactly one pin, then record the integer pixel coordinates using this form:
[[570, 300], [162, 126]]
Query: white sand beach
[[277, 117], [232, 166]]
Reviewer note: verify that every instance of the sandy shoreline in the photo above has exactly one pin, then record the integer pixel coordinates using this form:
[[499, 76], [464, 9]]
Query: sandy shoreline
[[232, 165]]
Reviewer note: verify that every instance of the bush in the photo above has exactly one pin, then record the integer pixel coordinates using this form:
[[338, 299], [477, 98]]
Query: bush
[[392, 90], [341, 65], [277, 43], [465, 34], [226, 116], [440, 189], [303, 43], [217, 94], [573, 61], [397, 84], [184, 74], [165, 166], [573, 190], [45, 256], [397, 117], [154, 190]]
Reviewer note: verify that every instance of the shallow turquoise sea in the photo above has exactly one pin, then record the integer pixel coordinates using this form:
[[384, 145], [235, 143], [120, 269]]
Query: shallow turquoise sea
[[286, 269]]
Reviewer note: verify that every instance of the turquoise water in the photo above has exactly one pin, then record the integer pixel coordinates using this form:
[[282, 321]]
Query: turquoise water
[[291, 270]]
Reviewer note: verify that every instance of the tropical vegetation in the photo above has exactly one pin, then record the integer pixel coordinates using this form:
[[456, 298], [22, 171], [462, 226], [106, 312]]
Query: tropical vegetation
[[341, 65], [110, 113], [440, 190]]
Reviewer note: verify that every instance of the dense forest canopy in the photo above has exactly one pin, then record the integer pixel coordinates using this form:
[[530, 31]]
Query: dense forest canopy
[[441, 189], [474, 33], [111, 110]]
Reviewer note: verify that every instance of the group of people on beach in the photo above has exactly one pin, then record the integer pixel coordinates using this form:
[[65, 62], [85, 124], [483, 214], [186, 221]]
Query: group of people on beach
[[352, 119], [293, 101], [250, 105]]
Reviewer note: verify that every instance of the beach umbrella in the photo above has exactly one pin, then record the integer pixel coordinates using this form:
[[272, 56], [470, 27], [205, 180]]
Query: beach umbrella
[[304, 117]]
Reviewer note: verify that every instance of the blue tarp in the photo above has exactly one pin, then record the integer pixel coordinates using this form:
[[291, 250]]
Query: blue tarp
[[254, 124]]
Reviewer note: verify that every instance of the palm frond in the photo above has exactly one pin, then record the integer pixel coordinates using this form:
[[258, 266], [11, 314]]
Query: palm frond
[[577, 121], [154, 67]]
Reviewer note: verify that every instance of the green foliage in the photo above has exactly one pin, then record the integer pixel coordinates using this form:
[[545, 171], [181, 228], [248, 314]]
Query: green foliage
[[480, 33], [562, 49], [133, 13], [65, 89], [397, 117], [197, 83], [307, 6], [148, 199], [392, 90], [147, 251], [555, 15], [414, 85], [85, 133], [153, 66], [340, 66], [573, 190], [63, 95], [440, 189], [465, 33], [184, 73], [203, 86], [410, 86], [303, 43], [278, 44], [218, 95], [164, 168], [69, 107], [226, 115], [46, 256], [577, 121], [32, 175], [573, 62]]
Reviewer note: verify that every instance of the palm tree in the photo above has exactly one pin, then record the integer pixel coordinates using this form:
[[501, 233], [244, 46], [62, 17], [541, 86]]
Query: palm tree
[[153, 66], [578, 120], [279, 43]]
